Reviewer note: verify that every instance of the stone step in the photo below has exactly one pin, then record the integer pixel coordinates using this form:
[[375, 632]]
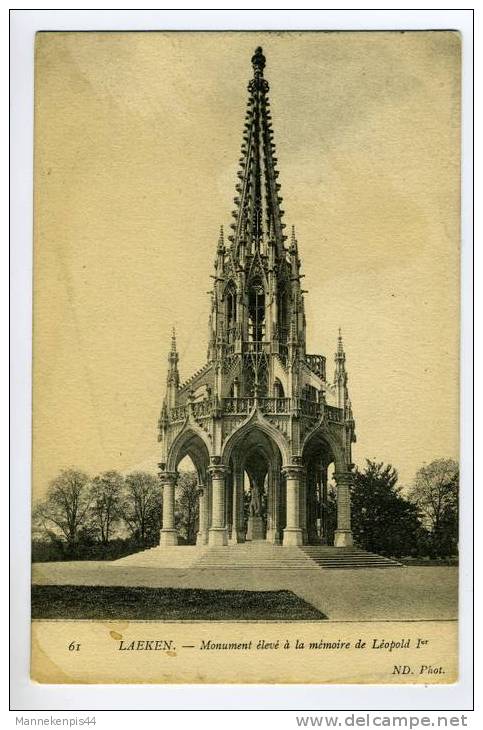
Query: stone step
[[259, 555], [330, 557], [178, 556], [246, 556]]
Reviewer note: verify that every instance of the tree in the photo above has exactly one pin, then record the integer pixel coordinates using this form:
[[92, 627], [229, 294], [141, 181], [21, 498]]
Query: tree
[[382, 519], [186, 513], [435, 493], [331, 515], [141, 507], [65, 511], [106, 491]]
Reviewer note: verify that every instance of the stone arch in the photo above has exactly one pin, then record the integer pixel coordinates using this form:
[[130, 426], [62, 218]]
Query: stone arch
[[278, 390], [256, 421], [320, 436], [255, 457], [256, 307], [192, 441], [230, 300]]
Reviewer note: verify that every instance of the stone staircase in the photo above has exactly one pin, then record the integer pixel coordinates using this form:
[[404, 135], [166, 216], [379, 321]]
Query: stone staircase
[[176, 557], [326, 556], [256, 555], [250, 555]]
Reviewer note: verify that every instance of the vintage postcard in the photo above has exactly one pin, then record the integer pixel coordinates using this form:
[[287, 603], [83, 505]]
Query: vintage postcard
[[246, 357]]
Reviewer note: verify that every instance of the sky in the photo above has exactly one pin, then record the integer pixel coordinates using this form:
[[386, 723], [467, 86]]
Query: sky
[[137, 140]]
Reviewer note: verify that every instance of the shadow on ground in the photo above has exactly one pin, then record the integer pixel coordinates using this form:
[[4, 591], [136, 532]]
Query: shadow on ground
[[131, 603]]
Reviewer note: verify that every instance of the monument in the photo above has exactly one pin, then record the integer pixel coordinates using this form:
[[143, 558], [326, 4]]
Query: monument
[[260, 420]]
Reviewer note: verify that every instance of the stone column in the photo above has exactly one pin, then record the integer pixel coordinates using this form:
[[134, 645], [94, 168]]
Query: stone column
[[217, 534], [292, 534], [343, 534], [304, 512], [237, 530], [323, 505], [168, 535], [273, 524], [202, 536], [318, 502], [229, 504], [277, 505], [268, 522]]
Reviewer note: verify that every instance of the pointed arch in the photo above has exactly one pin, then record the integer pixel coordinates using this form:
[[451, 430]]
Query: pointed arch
[[256, 309], [278, 391], [325, 438], [255, 421], [230, 299], [192, 441]]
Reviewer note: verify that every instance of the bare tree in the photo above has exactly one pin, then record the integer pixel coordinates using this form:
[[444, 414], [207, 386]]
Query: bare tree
[[141, 506], [65, 510], [187, 505], [106, 491]]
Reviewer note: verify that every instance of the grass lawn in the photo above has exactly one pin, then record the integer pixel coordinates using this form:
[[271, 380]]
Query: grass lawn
[[123, 602]]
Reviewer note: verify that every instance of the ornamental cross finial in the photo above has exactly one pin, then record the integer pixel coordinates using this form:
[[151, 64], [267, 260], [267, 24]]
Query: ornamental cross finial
[[258, 61]]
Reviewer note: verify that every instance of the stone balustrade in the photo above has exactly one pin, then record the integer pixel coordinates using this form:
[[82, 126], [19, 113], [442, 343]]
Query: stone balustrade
[[309, 408], [274, 405], [237, 406], [316, 363], [334, 414], [243, 406], [178, 413]]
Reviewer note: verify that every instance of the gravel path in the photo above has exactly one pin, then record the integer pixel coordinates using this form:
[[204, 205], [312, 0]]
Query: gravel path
[[409, 593]]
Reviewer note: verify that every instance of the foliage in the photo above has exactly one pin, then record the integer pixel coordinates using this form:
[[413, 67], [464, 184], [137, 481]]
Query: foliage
[[88, 519], [383, 520], [331, 515], [65, 511], [186, 508], [140, 507], [435, 493], [44, 551], [106, 492]]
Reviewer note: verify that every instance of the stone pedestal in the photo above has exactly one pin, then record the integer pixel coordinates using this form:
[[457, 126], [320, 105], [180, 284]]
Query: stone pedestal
[[256, 528], [292, 537], [168, 537], [343, 538], [217, 537]]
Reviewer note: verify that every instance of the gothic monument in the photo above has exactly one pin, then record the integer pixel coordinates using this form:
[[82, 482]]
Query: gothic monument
[[260, 421]]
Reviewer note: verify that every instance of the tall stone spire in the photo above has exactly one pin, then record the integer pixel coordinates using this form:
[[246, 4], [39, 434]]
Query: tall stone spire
[[220, 252], [294, 255], [259, 386], [258, 215], [340, 376], [172, 379]]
